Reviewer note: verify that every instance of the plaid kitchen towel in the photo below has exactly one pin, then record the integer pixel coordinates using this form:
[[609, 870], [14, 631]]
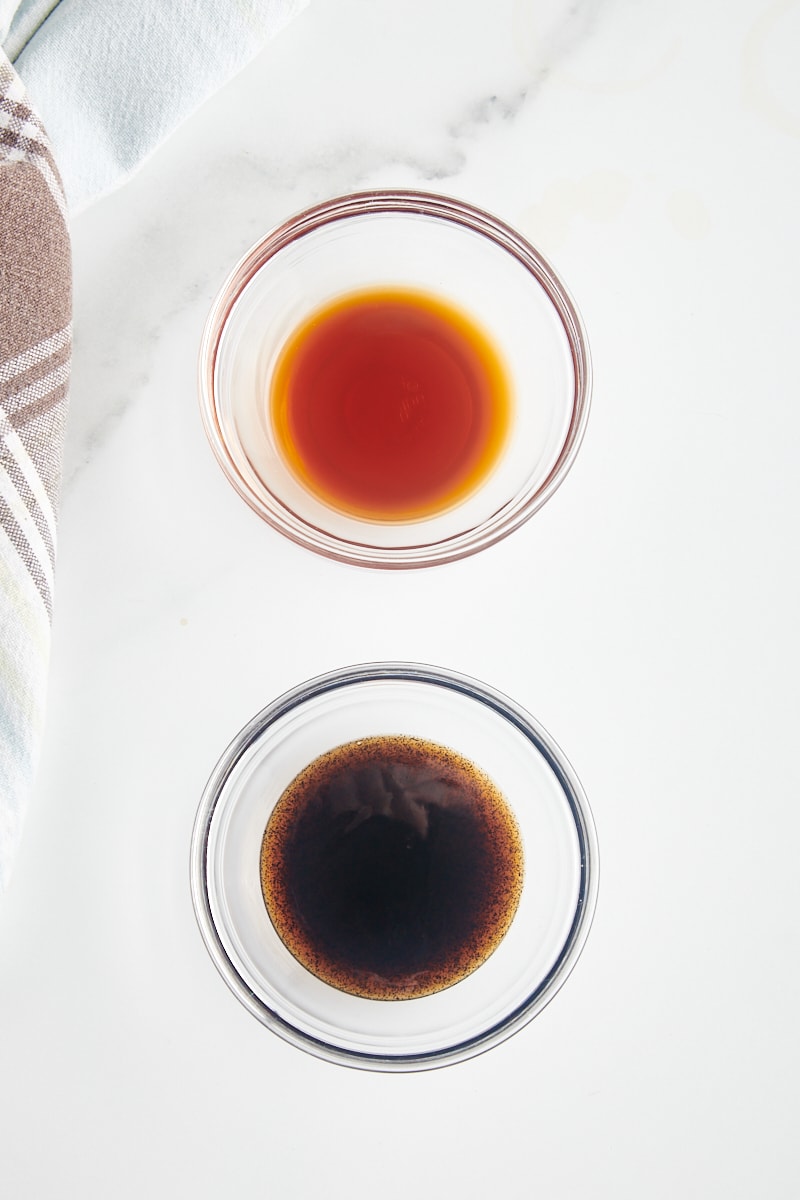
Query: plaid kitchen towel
[[109, 80], [35, 304]]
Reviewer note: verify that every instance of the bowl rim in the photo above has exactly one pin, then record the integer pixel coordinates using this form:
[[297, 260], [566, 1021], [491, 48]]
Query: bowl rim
[[416, 203], [501, 705]]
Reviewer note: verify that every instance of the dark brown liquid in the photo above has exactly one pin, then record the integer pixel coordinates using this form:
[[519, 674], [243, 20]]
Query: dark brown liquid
[[391, 867], [390, 404]]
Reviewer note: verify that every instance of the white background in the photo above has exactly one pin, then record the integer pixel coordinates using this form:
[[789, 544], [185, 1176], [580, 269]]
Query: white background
[[647, 616]]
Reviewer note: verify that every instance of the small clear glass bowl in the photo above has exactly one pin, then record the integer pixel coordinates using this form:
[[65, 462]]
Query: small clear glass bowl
[[426, 243], [546, 934]]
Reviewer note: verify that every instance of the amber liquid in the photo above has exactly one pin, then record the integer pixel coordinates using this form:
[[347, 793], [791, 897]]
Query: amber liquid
[[390, 405], [391, 867]]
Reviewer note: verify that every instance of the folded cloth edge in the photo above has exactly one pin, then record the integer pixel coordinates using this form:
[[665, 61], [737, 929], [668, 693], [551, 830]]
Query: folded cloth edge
[[111, 81]]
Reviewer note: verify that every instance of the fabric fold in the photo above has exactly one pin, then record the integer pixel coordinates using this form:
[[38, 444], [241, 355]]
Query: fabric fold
[[112, 80]]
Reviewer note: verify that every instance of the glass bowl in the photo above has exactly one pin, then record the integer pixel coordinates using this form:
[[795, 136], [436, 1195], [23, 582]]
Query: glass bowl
[[559, 887], [425, 244]]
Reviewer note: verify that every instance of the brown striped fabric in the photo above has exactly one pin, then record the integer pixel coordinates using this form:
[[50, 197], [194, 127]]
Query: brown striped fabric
[[105, 119], [35, 343]]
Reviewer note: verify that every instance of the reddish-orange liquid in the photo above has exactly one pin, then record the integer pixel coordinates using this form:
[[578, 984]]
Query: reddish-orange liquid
[[390, 404]]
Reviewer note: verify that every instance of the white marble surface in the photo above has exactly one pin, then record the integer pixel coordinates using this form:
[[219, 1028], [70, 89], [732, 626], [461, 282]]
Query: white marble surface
[[647, 616]]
